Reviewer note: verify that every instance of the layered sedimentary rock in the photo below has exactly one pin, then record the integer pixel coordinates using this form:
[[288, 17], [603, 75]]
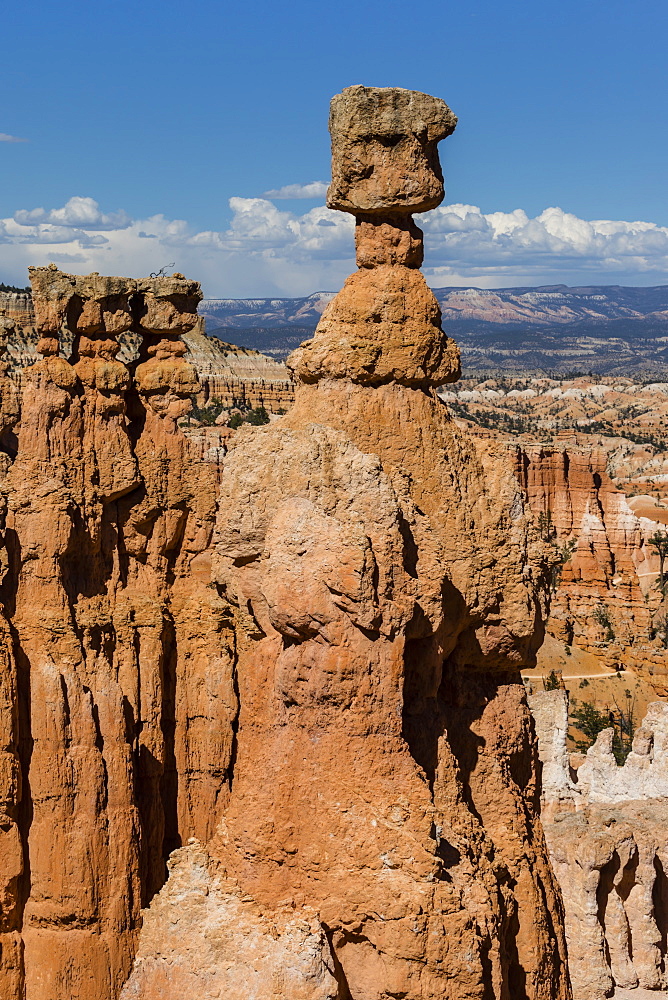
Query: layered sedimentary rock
[[237, 376], [575, 500], [606, 598], [17, 328], [381, 836], [17, 306], [107, 762], [606, 830], [588, 490]]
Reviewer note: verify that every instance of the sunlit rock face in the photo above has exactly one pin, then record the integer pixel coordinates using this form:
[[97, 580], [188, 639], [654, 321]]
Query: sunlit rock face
[[606, 600], [381, 836], [264, 731], [385, 150], [108, 763]]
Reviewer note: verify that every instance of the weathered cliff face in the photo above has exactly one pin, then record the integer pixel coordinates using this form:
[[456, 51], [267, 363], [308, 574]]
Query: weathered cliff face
[[107, 762], [237, 376], [17, 329], [17, 306], [233, 375], [381, 836], [606, 600], [606, 829], [305, 699]]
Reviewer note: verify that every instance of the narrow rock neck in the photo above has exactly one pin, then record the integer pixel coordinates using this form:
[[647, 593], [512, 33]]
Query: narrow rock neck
[[384, 326]]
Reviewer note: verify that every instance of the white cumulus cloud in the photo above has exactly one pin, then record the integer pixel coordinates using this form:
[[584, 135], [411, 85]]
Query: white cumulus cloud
[[554, 246], [4, 137], [268, 251], [77, 212], [315, 189]]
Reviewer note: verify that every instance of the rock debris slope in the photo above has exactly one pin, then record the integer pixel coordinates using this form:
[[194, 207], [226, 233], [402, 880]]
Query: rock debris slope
[[381, 835]]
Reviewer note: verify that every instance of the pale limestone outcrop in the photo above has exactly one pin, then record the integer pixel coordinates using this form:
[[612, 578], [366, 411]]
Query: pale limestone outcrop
[[605, 826], [237, 376], [204, 939], [549, 710], [386, 590], [645, 771], [17, 306]]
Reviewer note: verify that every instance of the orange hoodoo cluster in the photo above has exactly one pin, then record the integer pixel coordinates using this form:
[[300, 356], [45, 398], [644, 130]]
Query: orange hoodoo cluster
[[299, 692]]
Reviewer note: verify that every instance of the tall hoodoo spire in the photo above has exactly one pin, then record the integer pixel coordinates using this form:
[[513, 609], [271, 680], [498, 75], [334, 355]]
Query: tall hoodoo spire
[[381, 835]]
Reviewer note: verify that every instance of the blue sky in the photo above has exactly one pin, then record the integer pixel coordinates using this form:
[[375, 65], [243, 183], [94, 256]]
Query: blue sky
[[153, 132]]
